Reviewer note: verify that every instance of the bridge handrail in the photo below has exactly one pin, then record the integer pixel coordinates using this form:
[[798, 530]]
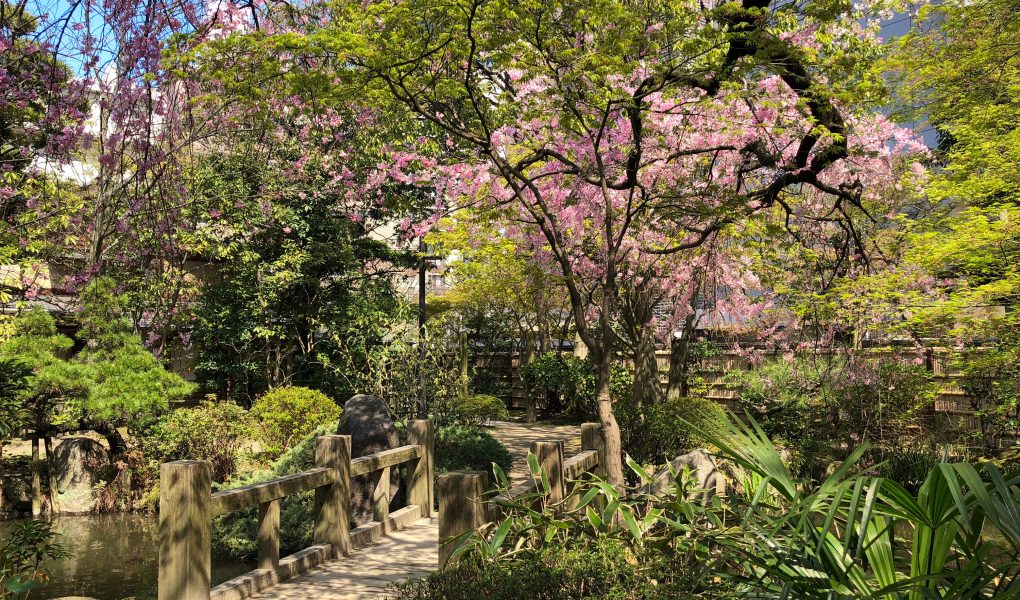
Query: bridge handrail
[[187, 506], [384, 459], [228, 501], [580, 463]]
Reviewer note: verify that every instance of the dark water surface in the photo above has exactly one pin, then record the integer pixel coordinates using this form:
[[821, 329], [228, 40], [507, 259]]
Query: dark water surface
[[113, 557]]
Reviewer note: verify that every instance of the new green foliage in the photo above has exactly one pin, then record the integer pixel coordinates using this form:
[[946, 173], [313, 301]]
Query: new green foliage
[[215, 431], [285, 415]]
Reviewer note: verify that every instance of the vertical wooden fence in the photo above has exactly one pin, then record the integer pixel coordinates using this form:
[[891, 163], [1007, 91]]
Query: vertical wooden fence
[[187, 507]]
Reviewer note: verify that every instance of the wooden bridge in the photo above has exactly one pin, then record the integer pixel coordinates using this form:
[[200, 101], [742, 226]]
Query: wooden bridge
[[342, 562]]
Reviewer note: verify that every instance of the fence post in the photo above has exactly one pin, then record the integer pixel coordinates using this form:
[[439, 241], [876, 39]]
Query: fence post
[[381, 500], [269, 535], [421, 474], [550, 459], [333, 501], [185, 562], [462, 507], [592, 439]]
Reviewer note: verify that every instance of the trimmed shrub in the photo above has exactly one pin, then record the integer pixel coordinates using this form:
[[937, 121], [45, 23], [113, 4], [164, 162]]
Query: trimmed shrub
[[459, 447], [478, 410], [213, 431], [285, 415]]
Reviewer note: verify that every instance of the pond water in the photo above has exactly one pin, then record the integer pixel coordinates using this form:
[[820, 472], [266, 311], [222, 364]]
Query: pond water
[[113, 557]]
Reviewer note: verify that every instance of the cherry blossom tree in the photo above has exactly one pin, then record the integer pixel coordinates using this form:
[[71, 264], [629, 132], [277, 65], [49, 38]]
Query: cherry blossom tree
[[110, 132], [620, 139]]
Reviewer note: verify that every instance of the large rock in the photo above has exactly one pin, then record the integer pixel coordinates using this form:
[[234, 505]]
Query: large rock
[[79, 464], [15, 493], [367, 420], [702, 468]]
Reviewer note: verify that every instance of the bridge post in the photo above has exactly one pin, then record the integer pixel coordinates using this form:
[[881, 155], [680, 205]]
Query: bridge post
[[421, 474], [381, 499], [550, 459], [185, 562], [268, 537], [333, 501], [462, 507], [593, 439]]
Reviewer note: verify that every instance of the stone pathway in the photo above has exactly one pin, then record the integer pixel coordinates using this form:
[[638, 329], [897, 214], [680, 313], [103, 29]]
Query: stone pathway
[[369, 571], [413, 551]]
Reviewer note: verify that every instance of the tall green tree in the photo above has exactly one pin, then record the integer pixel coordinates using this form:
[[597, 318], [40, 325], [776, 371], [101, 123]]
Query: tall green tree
[[959, 69], [300, 284]]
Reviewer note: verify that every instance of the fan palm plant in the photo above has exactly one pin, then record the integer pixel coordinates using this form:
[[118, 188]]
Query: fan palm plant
[[856, 535]]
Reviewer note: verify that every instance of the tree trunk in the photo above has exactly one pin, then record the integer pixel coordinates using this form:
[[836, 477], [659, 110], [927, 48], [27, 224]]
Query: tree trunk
[[51, 475], [610, 428], [118, 447], [37, 495], [462, 350], [529, 356], [647, 388], [679, 369]]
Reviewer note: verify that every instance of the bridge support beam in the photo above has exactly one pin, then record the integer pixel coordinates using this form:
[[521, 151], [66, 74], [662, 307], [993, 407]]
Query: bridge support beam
[[268, 537], [333, 501], [592, 438], [185, 563], [421, 474]]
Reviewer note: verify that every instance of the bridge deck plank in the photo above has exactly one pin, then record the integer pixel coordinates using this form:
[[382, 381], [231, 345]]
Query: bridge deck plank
[[369, 571]]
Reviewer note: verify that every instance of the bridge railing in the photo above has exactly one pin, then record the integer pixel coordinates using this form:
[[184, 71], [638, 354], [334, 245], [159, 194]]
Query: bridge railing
[[187, 507], [462, 494]]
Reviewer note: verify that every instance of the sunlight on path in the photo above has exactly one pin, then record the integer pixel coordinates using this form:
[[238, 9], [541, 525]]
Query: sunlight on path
[[410, 552]]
